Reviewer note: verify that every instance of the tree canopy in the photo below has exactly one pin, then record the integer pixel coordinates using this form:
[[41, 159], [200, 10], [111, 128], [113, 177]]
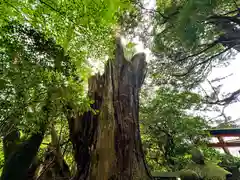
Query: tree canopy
[[60, 120]]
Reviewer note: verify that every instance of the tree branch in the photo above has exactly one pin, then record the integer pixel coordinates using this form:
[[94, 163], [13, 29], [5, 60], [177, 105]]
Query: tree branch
[[203, 62], [227, 100], [52, 8], [200, 52]]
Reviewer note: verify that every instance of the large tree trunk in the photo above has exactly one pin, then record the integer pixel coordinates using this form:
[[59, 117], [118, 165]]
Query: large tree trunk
[[107, 143]]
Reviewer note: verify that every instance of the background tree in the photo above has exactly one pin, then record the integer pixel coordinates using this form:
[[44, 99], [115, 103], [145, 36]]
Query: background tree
[[170, 129]]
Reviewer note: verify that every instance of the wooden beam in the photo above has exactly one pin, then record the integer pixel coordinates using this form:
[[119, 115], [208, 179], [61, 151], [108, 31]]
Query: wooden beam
[[225, 144], [226, 135], [225, 132], [226, 150], [233, 140]]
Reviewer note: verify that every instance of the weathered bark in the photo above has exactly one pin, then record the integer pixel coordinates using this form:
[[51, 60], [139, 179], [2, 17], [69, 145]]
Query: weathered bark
[[107, 144]]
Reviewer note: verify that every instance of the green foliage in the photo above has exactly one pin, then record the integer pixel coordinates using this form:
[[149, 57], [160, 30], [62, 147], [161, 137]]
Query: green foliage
[[228, 161], [186, 41], [80, 27], [188, 175], [45, 47], [187, 18], [169, 131], [44, 50], [186, 45], [209, 171], [190, 19], [34, 70]]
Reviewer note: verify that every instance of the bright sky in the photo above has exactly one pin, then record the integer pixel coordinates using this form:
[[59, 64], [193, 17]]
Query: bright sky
[[230, 84]]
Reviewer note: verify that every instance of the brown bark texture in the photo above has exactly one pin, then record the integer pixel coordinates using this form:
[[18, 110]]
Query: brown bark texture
[[107, 142]]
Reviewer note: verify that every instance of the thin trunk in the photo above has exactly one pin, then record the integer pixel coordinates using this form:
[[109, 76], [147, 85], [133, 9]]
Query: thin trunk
[[107, 144], [54, 165]]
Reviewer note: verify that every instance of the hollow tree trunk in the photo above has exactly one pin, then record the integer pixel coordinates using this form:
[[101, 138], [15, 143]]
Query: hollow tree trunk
[[107, 143]]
